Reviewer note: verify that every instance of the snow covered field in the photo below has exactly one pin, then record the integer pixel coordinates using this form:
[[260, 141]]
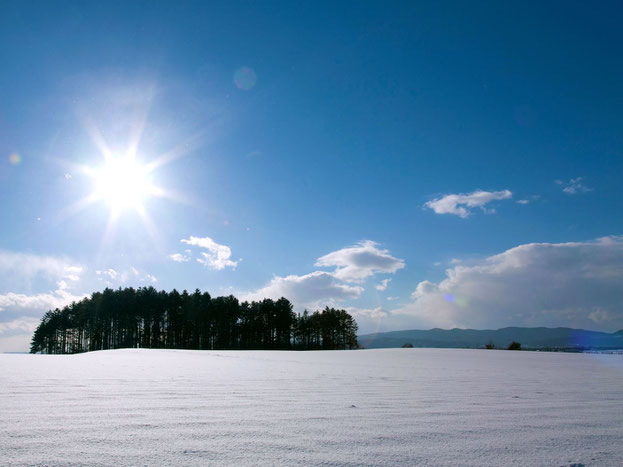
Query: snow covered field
[[369, 407]]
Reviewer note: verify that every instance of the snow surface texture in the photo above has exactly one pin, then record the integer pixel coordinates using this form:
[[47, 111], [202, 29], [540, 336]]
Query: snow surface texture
[[369, 407]]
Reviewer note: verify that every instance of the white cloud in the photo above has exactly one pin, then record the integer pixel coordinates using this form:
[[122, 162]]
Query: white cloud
[[20, 305], [179, 258], [110, 273], [151, 278], [574, 186], [321, 288], [19, 326], [24, 267], [462, 204], [73, 269], [20, 270], [538, 284], [217, 257], [364, 313], [15, 335], [357, 263], [379, 319], [528, 200], [112, 277], [313, 290]]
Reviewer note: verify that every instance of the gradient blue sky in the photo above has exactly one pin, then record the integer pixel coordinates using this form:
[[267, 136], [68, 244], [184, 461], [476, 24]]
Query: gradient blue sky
[[470, 152]]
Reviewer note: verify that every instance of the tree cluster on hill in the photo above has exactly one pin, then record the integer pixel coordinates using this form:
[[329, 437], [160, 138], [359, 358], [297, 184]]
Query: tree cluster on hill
[[149, 318]]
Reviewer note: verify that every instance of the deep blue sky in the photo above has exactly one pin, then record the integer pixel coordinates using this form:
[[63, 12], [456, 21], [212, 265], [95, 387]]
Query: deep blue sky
[[361, 114]]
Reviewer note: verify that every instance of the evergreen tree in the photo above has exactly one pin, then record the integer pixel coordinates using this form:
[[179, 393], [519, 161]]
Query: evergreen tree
[[128, 317]]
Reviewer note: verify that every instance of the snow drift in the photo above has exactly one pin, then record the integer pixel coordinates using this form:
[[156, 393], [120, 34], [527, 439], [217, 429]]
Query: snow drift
[[370, 407]]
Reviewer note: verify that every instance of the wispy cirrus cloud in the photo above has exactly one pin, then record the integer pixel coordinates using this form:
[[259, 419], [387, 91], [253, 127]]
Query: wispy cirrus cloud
[[462, 204], [25, 267], [110, 273], [574, 186], [112, 277]]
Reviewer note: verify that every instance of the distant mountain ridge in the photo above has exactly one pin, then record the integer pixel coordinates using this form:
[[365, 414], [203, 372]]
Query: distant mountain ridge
[[530, 338]]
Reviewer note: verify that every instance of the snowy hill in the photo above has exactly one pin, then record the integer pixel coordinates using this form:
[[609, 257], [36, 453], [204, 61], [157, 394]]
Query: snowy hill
[[531, 338], [368, 407]]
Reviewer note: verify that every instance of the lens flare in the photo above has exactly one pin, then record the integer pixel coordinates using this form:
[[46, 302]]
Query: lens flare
[[245, 78], [15, 159], [461, 302]]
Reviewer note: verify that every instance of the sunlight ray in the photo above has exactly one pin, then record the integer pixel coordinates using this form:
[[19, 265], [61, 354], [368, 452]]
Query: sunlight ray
[[149, 225], [97, 138], [180, 150], [76, 207], [139, 124], [109, 232]]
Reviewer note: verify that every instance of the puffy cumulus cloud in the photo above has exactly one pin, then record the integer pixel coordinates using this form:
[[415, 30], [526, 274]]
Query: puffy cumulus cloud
[[423, 288], [318, 289], [179, 258], [36, 304], [462, 204], [539, 284], [313, 290], [217, 257], [357, 263], [574, 186]]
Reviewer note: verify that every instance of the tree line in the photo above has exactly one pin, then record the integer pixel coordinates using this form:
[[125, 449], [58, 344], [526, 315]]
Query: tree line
[[146, 317]]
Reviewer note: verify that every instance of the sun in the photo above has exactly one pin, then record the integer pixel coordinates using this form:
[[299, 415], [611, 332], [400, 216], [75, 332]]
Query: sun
[[123, 183]]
